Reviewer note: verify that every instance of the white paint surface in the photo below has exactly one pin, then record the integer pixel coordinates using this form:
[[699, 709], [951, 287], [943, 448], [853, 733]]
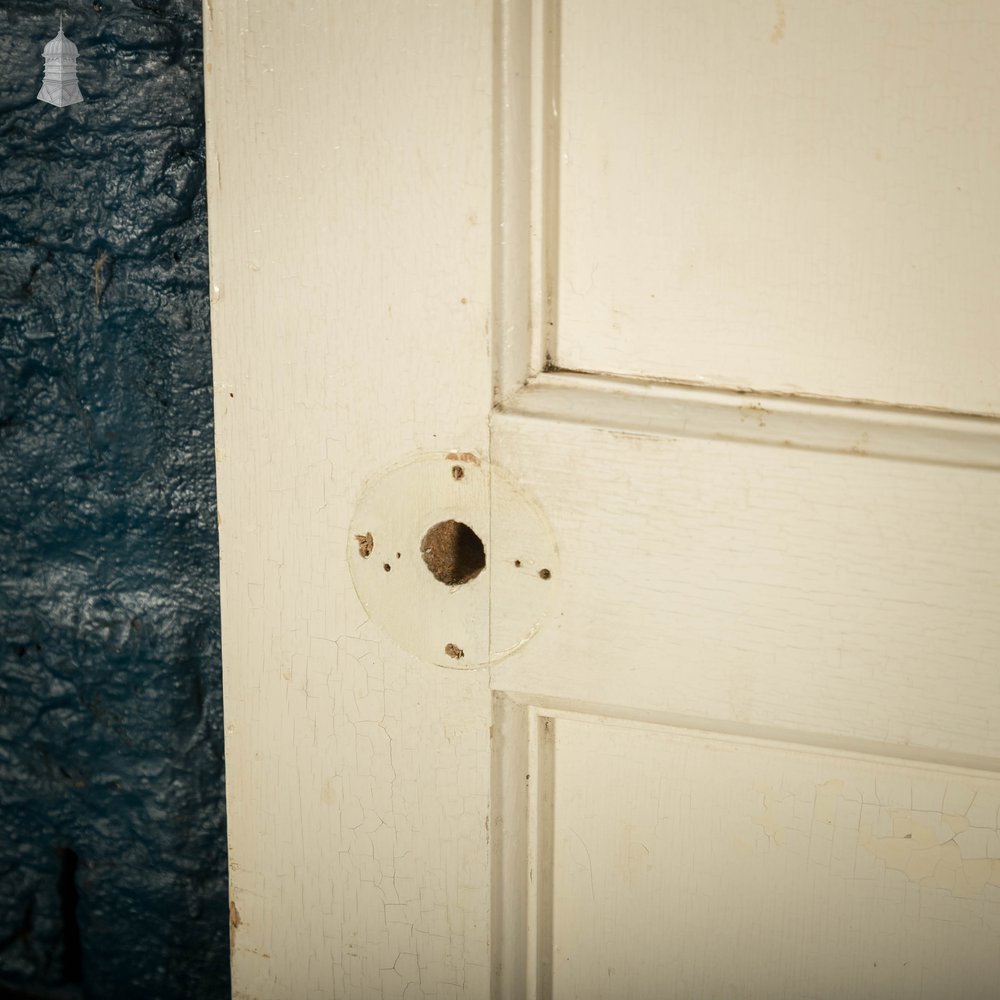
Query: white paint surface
[[757, 858], [350, 244], [471, 624], [751, 748], [796, 196]]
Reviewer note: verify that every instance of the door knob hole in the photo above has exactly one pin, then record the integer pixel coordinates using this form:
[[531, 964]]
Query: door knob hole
[[453, 552]]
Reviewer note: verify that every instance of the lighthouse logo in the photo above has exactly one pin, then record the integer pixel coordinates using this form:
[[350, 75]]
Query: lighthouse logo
[[59, 87]]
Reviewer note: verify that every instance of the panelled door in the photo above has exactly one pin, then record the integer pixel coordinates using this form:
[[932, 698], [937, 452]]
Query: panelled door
[[607, 407]]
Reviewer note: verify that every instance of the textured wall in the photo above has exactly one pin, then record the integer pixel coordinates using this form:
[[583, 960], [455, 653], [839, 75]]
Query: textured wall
[[112, 830]]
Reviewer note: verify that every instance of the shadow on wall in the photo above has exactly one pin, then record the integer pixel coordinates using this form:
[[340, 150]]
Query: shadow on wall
[[112, 825]]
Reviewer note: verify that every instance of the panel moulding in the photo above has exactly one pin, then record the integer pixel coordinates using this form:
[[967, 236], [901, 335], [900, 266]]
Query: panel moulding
[[527, 380], [524, 825], [635, 407], [526, 185]]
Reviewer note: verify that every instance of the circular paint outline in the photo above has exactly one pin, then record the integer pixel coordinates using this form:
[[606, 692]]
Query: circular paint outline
[[471, 624]]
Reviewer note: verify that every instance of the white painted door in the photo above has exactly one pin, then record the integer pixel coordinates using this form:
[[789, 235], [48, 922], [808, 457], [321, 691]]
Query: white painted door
[[607, 405]]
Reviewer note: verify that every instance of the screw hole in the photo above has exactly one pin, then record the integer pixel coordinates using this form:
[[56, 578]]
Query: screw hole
[[457, 472], [453, 552], [544, 574]]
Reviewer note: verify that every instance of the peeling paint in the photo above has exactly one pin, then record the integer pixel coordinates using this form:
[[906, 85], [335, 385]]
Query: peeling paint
[[947, 838], [827, 796]]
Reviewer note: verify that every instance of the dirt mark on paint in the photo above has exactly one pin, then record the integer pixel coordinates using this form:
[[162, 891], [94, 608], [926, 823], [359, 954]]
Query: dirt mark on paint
[[234, 922], [755, 411], [778, 31]]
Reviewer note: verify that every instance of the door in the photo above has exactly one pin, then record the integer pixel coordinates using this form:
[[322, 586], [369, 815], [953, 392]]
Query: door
[[608, 462]]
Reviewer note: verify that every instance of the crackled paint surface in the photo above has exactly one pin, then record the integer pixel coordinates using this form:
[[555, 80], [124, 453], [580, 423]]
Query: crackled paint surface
[[839, 875], [940, 834], [357, 773], [801, 588]]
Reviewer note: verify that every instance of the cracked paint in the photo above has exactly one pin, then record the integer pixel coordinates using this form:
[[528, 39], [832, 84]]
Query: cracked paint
[[892, 826], [765, 844], [358, 773]]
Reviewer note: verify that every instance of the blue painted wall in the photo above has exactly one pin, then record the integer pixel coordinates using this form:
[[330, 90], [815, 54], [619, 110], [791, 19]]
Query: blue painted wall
[[112, 828]]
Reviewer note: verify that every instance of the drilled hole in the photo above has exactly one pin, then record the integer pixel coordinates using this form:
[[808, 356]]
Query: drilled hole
[[453, 552], [544, 574]]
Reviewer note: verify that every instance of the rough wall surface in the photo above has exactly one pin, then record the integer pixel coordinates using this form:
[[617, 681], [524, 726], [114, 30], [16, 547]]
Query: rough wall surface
[[112, 829]]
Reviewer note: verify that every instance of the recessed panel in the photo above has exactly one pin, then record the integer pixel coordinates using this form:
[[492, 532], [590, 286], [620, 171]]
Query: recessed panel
[[699, 867], [783, 196], [836, 594]]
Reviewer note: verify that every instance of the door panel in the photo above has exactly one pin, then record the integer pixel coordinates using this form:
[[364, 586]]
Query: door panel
[[747, 745], [757, 688], [741, 868], [838, 594], [787, 196]]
